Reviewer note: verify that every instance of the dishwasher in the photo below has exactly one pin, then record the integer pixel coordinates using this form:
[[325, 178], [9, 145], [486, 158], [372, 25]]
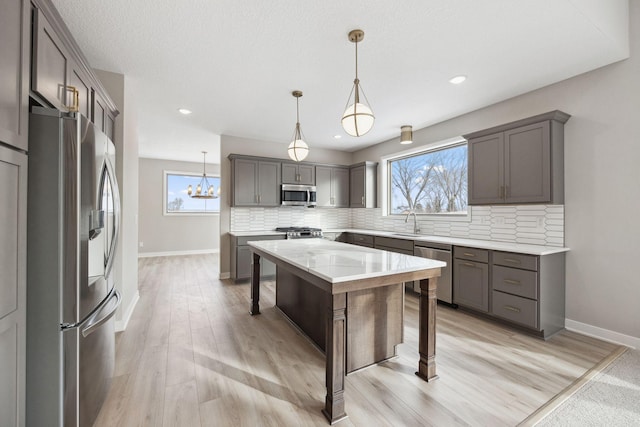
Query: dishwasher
[[440, 252]]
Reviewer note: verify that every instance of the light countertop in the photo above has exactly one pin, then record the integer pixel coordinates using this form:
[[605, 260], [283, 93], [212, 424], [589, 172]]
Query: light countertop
[[338, 262], [422, 238], [458, 241]]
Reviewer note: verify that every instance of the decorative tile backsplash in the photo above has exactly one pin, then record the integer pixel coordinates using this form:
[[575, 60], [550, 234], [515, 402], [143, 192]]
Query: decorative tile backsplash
[[530, 224]]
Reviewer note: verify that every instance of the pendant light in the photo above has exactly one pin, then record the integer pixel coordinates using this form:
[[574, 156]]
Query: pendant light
[[406, 135], [358, 117], [298, 149], [203, 184]]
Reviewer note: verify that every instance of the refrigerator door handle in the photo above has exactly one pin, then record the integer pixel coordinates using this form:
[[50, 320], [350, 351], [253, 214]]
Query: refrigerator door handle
[[100, 317]]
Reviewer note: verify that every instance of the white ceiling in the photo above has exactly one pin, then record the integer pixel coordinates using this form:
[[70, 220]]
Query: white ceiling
[[234, 63]]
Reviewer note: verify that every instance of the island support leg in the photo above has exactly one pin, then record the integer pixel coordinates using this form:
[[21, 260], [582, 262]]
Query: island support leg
[[335, 352], [255, 284], [427, 325]]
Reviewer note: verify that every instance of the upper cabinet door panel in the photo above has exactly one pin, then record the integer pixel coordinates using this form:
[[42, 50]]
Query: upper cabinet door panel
[[268, 183], [357, 187], [244, 182], [14, 72], [528, 164], [306, 175], [324, 195], [486, 157], [78, 87], [289, 173], [49, 64], [340, 187]]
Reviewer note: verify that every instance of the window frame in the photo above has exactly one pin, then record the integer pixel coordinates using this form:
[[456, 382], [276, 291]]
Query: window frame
[[165, 178], [386, 169]]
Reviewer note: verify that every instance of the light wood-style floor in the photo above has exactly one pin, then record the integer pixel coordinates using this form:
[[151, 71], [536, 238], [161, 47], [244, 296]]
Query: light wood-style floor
[[193, 356]]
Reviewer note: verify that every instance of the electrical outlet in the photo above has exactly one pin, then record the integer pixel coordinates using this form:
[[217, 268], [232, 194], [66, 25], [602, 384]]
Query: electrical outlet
[[540, 222], [142, 244], [499, 220]]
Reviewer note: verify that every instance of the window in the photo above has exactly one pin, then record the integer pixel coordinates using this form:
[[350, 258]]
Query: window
[[176, 199], [429, 182]]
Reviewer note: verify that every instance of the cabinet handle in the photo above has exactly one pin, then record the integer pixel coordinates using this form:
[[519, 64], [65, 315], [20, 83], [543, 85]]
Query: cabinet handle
[[255, 198], [512, 260], [506, 192], [468, 264], [501, 192], [468, 254], [75, 107], [512, 282], [259, 198], [510, 308], [332, 201], [362, 200]]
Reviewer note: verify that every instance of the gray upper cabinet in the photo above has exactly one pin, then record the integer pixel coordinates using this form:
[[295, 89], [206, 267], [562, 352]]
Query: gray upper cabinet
[[520, 162], [50, 63], [362, 185], [296, 173], [332, 186], [60, 75], [13, 286], [255, 182], [14, 90]]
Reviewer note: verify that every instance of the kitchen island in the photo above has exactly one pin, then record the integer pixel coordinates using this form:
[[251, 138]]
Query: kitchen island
[[361, 290]]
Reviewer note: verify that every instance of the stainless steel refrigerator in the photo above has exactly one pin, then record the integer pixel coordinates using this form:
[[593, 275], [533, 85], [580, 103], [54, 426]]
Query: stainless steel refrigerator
[[72, 228]]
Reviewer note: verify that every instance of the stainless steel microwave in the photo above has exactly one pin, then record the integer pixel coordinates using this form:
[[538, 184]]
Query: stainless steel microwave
[[298, 195]]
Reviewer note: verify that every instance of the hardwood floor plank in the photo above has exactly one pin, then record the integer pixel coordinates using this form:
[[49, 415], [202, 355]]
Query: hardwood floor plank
[[181, 406], [192, 355]]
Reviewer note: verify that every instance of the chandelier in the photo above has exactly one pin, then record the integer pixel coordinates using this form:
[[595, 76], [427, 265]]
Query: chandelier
[[358, 117], [203, 184], [298, 149]]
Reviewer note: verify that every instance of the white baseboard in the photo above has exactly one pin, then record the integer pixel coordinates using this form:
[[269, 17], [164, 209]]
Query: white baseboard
[[603, 334], [177, 253], [226, 275], [121, 325]]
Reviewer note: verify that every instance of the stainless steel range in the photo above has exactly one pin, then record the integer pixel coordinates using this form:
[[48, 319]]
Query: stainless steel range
[[301, 232]]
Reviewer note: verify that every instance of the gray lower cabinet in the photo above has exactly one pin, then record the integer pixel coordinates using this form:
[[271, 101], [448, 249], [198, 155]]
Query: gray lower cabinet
[[471, 278], [362, 185], [520, 162], [529, 290], [254, 182], [14, 90], [360, 239], [332, 187], [241, 257], [296, 173], [13, 288]]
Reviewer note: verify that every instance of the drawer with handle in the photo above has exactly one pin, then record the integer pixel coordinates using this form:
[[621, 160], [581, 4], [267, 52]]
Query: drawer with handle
[[508, 259], [516, 309], [472, 254], [514, 281]]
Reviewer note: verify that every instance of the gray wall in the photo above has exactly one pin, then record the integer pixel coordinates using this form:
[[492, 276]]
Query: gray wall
[[602, 149], [253, 147], [172, 234], [126, 141]]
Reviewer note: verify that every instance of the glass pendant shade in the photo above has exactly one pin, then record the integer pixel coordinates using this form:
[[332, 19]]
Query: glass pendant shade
[[298, 150], [357, 119]]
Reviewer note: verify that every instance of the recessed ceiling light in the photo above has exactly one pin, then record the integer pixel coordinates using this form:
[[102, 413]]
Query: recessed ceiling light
[[458, 79], [184, 111], [337, 136]]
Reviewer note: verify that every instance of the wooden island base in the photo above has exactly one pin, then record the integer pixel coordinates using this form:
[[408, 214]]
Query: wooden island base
[[363, 318]]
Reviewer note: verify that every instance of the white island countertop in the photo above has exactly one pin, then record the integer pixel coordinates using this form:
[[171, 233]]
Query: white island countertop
[[338, 262]]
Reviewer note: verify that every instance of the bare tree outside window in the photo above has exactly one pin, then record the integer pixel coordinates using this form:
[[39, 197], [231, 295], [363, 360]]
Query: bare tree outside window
[[434, 182]]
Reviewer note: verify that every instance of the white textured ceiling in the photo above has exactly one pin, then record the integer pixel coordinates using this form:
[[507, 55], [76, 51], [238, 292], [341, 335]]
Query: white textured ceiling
[[234, 63]]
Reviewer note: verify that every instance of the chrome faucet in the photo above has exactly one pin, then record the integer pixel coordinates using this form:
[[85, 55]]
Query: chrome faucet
[[416, 229]]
